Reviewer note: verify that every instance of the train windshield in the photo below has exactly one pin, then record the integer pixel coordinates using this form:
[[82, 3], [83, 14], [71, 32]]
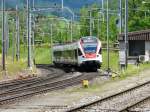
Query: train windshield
[[90, 48], [89, 44]]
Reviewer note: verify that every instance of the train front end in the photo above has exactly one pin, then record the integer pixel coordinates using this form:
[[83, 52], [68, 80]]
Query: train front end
[[90, 56]]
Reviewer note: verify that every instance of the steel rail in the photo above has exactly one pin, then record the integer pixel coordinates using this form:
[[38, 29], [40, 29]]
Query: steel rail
[[134, 104], [30, 84], [107, 98], [34, 87], [45, 88], [22, 81]]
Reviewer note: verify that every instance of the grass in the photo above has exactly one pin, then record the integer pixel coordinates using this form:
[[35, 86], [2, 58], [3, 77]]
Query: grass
[[114, 61], [12, 68], [134, 70], [42, 56]]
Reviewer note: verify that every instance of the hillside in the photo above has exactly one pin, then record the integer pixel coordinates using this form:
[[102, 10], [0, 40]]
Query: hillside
[[74, 4]]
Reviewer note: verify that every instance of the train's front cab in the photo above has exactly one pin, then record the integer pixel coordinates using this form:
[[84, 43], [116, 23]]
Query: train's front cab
[[89, 52]]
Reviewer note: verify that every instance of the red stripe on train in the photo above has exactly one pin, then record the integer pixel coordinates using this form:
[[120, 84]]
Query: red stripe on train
[[90, 55]]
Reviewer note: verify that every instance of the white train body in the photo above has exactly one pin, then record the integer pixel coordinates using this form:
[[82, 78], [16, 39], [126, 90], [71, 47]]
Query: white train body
[[86, 52]]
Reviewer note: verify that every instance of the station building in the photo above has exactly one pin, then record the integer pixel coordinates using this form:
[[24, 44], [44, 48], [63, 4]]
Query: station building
[[138, 47]]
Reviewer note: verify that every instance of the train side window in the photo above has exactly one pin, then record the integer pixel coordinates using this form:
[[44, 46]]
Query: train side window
[[76, 53], [100, 51], [79, 52]]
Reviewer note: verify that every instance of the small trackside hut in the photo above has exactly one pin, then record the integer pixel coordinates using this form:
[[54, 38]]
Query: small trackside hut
[[138, 47]]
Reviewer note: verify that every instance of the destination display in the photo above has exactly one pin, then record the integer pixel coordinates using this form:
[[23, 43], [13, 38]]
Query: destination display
[[89, 40]]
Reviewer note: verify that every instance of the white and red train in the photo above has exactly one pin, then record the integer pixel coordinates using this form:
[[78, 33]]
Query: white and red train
[[85, 53]]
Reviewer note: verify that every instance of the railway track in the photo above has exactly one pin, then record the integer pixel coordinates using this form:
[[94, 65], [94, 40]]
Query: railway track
[[38, 87], [44, 66], [119, 102], [25, 82], [30, 84], [136, 104]]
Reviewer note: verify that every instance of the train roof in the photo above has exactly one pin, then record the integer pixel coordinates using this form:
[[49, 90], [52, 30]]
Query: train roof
[[71, 46], [89, 37], [68, 46]]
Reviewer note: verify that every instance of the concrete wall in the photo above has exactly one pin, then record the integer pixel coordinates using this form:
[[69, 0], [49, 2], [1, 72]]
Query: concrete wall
[[147, 50], [121, 45]]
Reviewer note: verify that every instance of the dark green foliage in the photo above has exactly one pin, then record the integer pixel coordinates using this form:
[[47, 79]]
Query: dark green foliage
[[139, 19], [139, 15]]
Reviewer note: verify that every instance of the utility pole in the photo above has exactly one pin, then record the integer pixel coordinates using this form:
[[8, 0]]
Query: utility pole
[[145, 14], [68, 31], [61, 36], [29, 33], [33, 33], [72, 19], [17, 35], [71, 28], [108, 67], [62, 4], [120, 15], [33, 42], [51, 30], [13, 40], [102, 5], [6, 34], [126, 33], [90, 22], [3, 35], [98, 25], [33, 3]]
